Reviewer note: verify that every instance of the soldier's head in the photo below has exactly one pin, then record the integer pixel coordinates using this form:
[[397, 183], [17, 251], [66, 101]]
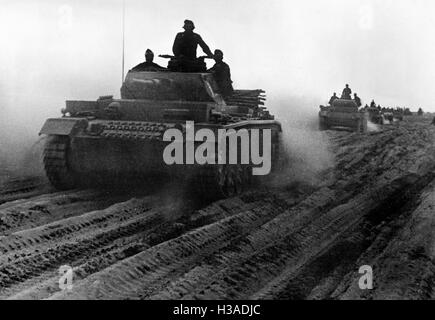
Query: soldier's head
[[355, 95], [149, 56], [347, 86], [335, 94], [218, 55], [188, 25]]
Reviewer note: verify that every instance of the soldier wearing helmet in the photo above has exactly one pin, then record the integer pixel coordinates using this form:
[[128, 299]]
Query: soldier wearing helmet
[[222, 74], [346, 93], [357, 100], [186, 43], [333, 98], [148, 65]]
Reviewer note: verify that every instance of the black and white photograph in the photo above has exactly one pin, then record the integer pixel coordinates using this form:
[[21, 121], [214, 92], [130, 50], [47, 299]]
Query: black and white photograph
[[218, 150]]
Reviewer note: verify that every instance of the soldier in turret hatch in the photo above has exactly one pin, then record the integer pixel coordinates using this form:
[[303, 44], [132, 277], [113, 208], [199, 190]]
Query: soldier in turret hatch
[[346, 93], [222, 73], [334, 97], [373, 104], [186, 42], [357, 100], [148, 65]]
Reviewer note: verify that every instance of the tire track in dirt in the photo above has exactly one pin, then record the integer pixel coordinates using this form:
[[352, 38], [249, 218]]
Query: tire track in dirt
[[128, 278], [401, 257], [112, 242], [21, 188], [29, 253], [355, 213], [29, 213]]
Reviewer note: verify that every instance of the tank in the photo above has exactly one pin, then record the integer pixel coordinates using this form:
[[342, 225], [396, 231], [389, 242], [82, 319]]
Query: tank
[[344, 114], [389, 116], [376, 116], [119, 139], [398, 115]]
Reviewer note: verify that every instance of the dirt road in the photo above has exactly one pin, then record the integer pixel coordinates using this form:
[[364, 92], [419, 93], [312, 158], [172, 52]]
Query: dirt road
[[297, 241]]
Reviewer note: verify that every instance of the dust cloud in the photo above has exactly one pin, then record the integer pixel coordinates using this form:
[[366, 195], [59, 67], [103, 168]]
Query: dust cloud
[[307, 148], [20, 146], [372, 127], [20, 157]]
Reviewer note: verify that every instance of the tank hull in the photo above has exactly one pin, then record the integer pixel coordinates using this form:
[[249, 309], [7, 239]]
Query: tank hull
[[113, 156], [344, 114], [108, 156], [96, 141]]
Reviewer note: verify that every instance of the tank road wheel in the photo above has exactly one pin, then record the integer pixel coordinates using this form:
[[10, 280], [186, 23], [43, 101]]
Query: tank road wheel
[[222, 181], [230, 180], [56, 163]]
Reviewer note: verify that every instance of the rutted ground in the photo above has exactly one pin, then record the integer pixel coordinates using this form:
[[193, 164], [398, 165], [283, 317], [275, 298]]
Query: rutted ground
[[297, 241]]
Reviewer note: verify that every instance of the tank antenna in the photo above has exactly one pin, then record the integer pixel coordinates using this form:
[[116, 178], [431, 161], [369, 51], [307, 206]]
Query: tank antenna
[[123, 39]]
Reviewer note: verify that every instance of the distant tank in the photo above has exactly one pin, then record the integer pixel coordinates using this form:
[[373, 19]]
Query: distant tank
[[122, 138], [376, 116], [389, 116], [343, 113], [398, 115], [407, 112]]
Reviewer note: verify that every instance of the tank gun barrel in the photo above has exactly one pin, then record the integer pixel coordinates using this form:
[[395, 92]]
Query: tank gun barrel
[[169, 56], [166, 56], [205, 57]]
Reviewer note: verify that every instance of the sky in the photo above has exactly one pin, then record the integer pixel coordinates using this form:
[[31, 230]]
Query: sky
[[54, 50]]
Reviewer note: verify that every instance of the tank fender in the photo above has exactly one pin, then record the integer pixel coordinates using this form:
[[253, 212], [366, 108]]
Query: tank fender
[[63, 126]]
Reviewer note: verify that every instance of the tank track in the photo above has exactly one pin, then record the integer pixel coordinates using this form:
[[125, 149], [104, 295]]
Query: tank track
[[56, 163], [230, 180], [223, 181]]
